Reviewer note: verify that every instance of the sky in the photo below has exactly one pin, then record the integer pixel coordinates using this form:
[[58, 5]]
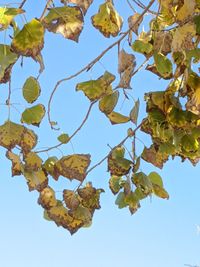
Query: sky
[[163, 233]]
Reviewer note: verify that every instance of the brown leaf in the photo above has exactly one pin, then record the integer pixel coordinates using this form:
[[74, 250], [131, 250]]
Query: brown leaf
[[16, 163], [83, 4], [47, 198]]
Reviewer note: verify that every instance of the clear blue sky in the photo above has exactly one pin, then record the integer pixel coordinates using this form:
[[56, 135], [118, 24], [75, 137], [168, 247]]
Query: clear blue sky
[[161, 234]]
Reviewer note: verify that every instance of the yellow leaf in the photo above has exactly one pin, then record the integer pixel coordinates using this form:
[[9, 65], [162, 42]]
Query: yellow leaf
[[73, 166], [71, 199], [7, 15], [47, 198], [107, 20], [16, 163], [108, 102], [186, 10], [32, 162], [30, 40], [83, 4], [36, 180], [116, 118], [66, 20]]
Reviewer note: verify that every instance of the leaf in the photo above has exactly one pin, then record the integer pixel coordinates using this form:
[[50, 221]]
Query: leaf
[[125, 60], [107, 20], [63, 138], [90, 197], [183, 38], [117, 118], [118, 166], [193, 104], [115, 184], [155, 178], [59, 214], [142, 47], [31, 90], [32, 162], [133, 202], [135, 111], [7, 15], [83, 214], [46, 216], [73, 166], [47, 198], [143, 182], [16, 163], [126, 78], [49, 166], [71, 199], [160, 191], [134, 22], [28, 140], [66, 20], [154, 157], [36, 180], [162, 42], [30, 40], [186, 10], [197, 23], [83, 4], [137, 165], [33, 115], [189, 143], [108, 102], [95, 89], [7, 59], [120, 201], [163, 65], [152, 68]]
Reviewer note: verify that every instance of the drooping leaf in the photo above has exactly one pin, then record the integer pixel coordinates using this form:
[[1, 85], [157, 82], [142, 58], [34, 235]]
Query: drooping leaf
[[31, 90], [143, 182], [28, 140], [163, 65], [7, 15], [16, 163], [107, 20], [49, 166], [47, 198], [117, 118], [154, 157], [63, 138], [83, 4], [33, 115], [115, 184], [32, 162], [134, 22], [66, 20], [186, 10], [108, 102], [135, 111], [71, 199], [126, 77], [125, 60], [36, 180], [30, 40], [155, 178], [7, 59], [73, 166], [160, 191], [95, 89], [121, 200]]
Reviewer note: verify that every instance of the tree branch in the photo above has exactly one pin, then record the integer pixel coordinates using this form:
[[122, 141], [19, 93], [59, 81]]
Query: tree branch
[[93, 62], [74, 133]]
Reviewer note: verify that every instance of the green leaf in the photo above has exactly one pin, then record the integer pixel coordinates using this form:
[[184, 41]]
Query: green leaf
[[120, 201], [197, 22], [115, 184], [95, 89], [163, 64], [7, 59], [31, 90], [134, 112], [49, 166], [46, 216], [33, 115], [142, 47], [7, 15], [118, 166], [160, 191], [142, 181], [108, 102], [189, 143], [63, 138], [30, 40], [155, 178], [117, 118], [66, 20]]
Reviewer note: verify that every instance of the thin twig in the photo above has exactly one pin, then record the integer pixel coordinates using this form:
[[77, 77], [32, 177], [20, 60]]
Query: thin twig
[[131, 7], [9, 96], [94, 61], [74, 133], [45, 9], [120, 144], [22, 3]]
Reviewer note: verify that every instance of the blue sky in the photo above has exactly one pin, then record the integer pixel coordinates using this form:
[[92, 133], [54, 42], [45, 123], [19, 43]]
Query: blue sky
[[161, 234]]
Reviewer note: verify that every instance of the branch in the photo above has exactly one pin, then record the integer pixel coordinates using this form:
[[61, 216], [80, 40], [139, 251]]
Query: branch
[[22, 3], [74, 133], [45, 9], [94, 61]]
